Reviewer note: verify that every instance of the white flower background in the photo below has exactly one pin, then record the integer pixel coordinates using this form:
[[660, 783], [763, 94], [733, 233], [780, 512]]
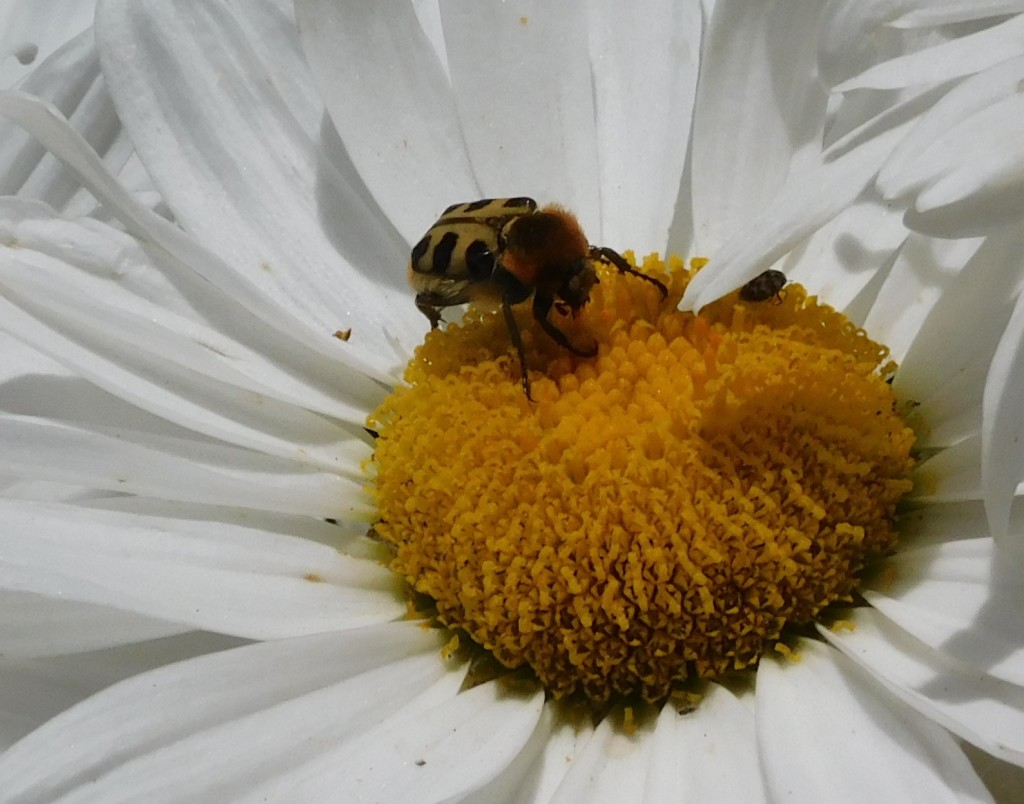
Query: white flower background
[[198, 194]]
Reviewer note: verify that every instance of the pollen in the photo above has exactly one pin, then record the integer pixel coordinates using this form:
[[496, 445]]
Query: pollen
[[659, 512]]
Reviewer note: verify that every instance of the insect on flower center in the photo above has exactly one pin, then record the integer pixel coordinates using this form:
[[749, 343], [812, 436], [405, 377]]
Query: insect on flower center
[[660, 511]]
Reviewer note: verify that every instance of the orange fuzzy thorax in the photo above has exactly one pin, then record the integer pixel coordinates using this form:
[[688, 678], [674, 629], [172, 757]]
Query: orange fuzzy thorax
[[543, 244]]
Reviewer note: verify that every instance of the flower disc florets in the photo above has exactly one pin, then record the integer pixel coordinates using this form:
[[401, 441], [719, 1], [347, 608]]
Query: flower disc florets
[[660, 511]]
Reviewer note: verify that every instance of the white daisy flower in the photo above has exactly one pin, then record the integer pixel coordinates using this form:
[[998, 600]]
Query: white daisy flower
[[656, 545]]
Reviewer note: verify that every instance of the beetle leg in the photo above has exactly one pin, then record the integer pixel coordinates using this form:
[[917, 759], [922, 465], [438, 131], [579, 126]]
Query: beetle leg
[[517, 342], [428, 304], [608, 255], [542, 304]]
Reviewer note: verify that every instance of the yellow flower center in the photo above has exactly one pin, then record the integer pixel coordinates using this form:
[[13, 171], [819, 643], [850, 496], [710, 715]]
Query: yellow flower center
[[660, 511]]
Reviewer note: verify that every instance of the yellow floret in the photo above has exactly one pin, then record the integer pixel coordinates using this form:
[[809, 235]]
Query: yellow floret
[[660, 511]]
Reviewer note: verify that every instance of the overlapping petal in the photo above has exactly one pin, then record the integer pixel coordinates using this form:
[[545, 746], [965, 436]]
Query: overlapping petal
[[397, 119], [34, 690], [643, 110], [962, 56], [151, 312], [923, 270], [986, 711], [239, 580], [540, 766], [808, 201], [31, 31], [528, 120], [947, 360], [37, 624], [753, 115], [1002, 460], [172, 467], [858, 34], [680, 756], [960, 598], [860, 744], [959, 167], [256, 183], [208, 718], [29, 170]]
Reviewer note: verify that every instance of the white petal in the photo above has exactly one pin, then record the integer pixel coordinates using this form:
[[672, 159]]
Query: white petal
[[960, 161], [18, 360], [520, 780], [541, 765], [935, 523], [422, 756], [1002, 430], [28, 698], [644, 108], [757, 105], [945, 366], [174, 468], [172, 367], [215, 727], [233, 580], [347, 535], [528, 123], [248, 181], [859, 742], [153, 332], [959, 57], [709, 754], [390, 101], [856, 35], [978, 182], [981, 709], [945, 12], [952, 475], [428, 12], [71, 80], [961, 598], [1004, 781], [206, 405], [175, 368], [911, 162], [40, 625], [94, 670], [293, 333], [31, 31], [33, 691], [706, 754], [809, 200], [610, 768], [924, 269], [845, 255]]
